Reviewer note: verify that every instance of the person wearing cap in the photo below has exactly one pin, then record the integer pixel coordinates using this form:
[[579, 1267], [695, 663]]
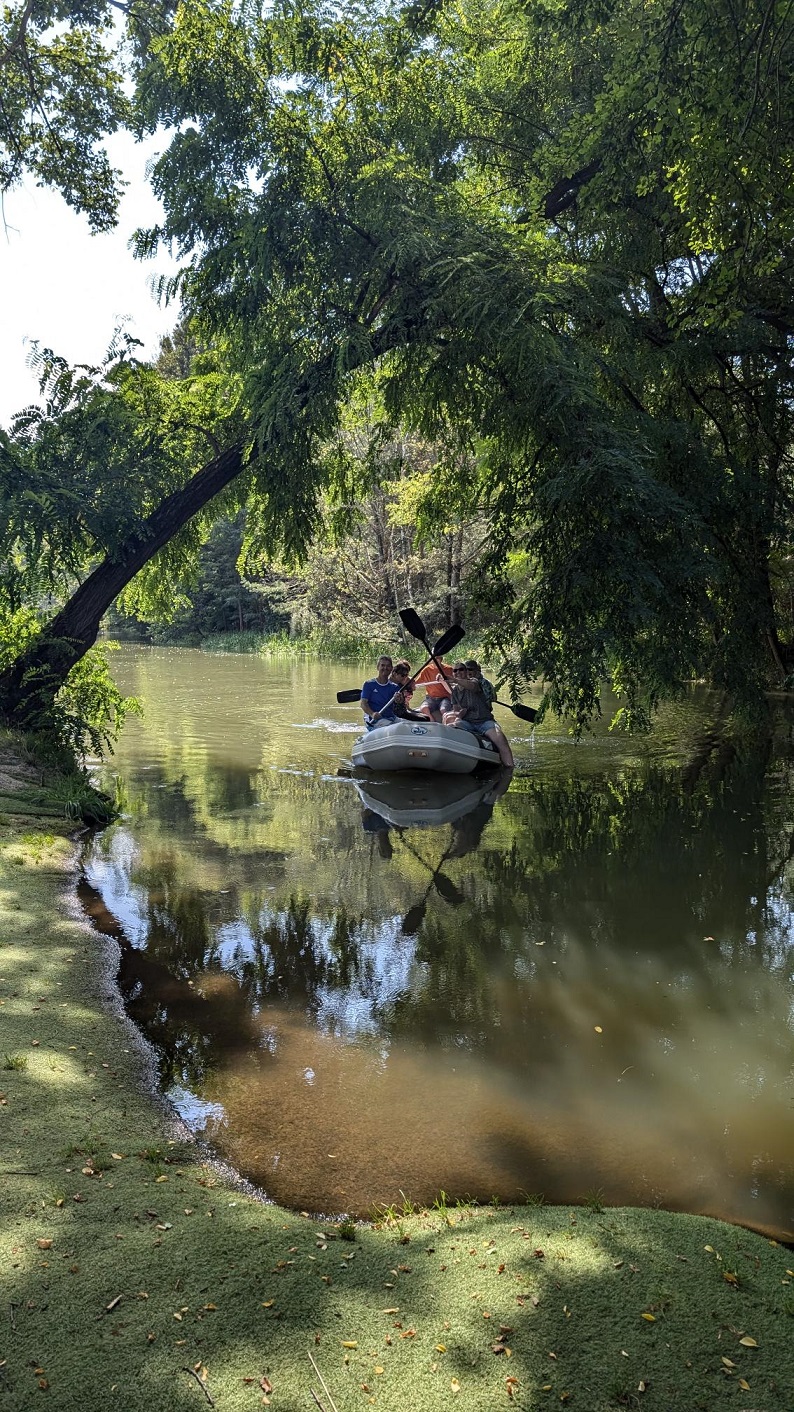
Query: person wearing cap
[[489, 690], [401, 676], [471, 711]]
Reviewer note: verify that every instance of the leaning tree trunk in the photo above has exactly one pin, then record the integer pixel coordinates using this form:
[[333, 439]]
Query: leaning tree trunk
[[29, 685]]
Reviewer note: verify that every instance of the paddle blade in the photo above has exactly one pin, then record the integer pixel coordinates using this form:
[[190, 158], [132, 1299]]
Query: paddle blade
[[412, 623], [448, 890], [353, 695], [524, 713], [413, 920], [450, 639]]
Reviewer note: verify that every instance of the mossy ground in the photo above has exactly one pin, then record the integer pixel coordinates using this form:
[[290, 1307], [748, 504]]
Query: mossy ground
[[135, 1276]]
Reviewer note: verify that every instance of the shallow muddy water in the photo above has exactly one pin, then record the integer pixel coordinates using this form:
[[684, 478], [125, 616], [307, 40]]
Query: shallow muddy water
[[571, 982]]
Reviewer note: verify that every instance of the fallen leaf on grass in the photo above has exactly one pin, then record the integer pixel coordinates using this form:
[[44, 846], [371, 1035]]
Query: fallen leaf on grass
[[745, 1386], [268, 1303], [265, 1384], [650, 1317], [44, 1244], [349, 1343], [455, 1385], [748, 1342], [728, 1363]]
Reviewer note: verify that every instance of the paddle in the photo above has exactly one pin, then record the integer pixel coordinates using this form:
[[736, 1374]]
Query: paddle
[[524, 713], [414, 918], [413, 624], [450, 639], [443, 885]]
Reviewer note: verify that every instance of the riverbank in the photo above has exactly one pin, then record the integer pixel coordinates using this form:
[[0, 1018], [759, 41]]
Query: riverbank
[[137, 1275]]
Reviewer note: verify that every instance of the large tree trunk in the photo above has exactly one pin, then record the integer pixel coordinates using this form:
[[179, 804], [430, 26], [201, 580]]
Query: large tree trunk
[[28, 686]]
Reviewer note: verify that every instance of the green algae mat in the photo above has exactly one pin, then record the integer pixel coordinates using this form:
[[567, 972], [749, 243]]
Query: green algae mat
[[135, 1275]]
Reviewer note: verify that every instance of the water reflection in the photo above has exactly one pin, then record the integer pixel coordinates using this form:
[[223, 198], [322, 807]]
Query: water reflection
[[580, 981]]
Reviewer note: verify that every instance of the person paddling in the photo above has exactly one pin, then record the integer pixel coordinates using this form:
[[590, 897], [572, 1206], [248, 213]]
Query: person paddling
[[437, 688], [489, 690], [472, 712], [377, 696], [401, 675]]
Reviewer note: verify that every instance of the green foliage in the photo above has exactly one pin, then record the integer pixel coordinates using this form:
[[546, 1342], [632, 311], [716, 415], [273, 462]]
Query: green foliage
[[78, 474], [62, 83], [560, 234], [89, 709], [544, 248]]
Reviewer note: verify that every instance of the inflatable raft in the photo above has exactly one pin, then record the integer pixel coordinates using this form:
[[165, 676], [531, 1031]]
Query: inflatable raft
[[414, 745]]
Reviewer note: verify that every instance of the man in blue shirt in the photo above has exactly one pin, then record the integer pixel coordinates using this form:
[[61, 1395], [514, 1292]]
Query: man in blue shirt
[[377, 696]]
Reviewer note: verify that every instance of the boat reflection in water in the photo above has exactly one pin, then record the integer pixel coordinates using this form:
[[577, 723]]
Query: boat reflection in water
[[428, 801], [392, 806]]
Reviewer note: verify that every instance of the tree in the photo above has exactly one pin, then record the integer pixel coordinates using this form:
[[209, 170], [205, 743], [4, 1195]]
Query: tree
[[560, 236], [61, 87]]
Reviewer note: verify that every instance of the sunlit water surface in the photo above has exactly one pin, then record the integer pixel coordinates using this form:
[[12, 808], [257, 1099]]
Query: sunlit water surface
[[361, 990]]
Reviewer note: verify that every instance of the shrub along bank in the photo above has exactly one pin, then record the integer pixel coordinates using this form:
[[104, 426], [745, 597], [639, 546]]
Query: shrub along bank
[[137, 1275]]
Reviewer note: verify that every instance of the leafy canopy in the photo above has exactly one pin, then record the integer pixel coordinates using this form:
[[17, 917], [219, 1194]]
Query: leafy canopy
[[562, 234], [556, 237]]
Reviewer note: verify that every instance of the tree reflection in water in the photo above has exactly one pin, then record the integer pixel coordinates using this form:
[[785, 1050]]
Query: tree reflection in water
[[424, 994]]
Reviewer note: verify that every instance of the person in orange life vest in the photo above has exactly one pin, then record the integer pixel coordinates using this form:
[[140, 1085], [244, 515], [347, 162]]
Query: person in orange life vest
[[437, 691]]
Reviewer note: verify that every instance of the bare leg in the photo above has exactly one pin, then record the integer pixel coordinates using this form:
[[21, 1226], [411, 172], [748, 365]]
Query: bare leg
[[502, 744]]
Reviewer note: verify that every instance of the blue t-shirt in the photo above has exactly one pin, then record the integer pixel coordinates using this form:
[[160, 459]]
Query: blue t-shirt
[[379, 695]]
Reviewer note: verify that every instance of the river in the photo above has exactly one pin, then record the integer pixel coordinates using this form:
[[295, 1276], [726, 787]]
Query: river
[[572, 984]]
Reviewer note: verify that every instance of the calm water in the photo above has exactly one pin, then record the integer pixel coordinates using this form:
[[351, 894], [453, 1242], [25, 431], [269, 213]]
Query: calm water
[[358, 989]]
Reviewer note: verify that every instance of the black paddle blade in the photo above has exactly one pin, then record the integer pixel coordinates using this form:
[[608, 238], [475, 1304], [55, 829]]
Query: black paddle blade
[[354, 694], [413, 920], [413, 624], [450, 639], [448, 890], [524, 713]]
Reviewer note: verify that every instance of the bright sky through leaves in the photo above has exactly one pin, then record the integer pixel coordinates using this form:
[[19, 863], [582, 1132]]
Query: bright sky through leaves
[[70, 289]]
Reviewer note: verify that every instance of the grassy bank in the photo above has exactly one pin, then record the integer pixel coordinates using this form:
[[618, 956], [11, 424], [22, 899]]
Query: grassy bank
[[318, 645], [137, 1276]]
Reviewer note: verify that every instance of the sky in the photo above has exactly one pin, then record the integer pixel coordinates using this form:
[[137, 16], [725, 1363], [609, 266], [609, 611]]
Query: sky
[[69, 289]]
